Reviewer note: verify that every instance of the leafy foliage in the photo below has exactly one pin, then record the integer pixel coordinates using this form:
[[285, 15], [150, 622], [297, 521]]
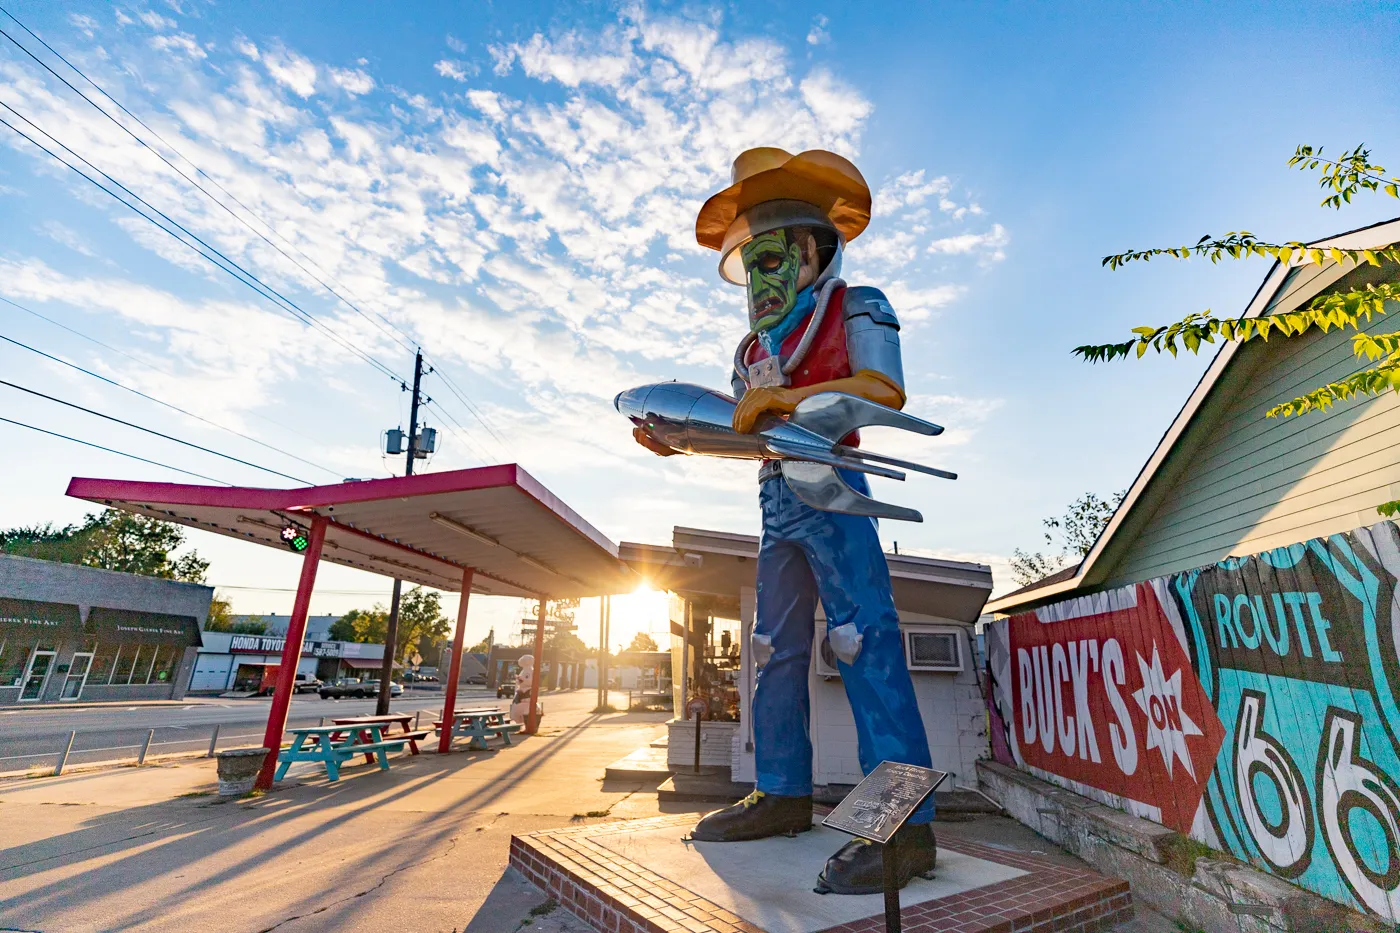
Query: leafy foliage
[[1352, 172], [421, 622], [643, 642], [221, 620], [111, 540], [1069, 537]]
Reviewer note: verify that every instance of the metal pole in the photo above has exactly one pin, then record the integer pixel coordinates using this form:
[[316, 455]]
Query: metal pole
[[63, 758], [291, 653], [391, 633], [607, 655], [532, 720], [889, 860], [697, 741], [602, 651], [417, 716], [213, 740], [141, 758], [449, 703]]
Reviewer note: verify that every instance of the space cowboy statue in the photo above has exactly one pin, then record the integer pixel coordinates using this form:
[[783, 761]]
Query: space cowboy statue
[[820, 359]]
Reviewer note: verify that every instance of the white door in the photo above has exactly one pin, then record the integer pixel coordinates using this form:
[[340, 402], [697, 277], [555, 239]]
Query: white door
[[36, 675], [77, 676]]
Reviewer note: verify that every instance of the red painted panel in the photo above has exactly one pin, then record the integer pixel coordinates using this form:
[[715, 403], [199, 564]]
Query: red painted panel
[[1111, 700]]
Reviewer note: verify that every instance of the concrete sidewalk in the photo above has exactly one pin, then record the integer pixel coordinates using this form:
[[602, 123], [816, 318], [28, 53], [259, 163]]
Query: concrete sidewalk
[[421, 847]]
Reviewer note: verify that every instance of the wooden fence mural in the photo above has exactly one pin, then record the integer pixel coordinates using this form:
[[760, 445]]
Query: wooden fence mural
[[1251, 705]]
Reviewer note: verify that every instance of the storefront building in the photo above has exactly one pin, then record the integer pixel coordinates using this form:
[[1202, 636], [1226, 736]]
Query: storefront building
[[1225, 661], [69, 633], [229, 663]]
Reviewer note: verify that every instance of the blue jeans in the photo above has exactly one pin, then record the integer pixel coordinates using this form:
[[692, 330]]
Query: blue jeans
[[806, 554]]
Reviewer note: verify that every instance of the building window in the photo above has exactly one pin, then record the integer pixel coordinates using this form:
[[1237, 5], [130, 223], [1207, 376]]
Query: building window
[[14, 655], [121, 670], [167, 659], [102, 664]]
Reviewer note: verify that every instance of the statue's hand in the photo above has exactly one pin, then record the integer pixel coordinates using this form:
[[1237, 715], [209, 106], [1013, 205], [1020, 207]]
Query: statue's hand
[[661, 450], [760, 399]]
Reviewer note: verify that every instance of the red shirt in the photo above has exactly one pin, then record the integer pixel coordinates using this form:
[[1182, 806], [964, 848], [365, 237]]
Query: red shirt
[[826, 360]]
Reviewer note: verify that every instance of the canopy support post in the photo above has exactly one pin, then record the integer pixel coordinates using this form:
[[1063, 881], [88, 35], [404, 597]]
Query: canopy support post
[[291, 653], [449, 703], [532, 719]]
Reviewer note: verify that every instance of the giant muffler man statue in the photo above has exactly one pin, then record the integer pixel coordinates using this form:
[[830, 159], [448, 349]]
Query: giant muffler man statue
[[817, 354]]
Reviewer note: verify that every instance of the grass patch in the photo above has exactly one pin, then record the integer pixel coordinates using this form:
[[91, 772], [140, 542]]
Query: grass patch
[[545, 909], [197, 793], [605, 708], [253, 794], [1181, 851], [1183, 927]]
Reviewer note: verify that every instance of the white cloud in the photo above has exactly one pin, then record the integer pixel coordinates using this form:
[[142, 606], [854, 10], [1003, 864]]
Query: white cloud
[[155, 21], [352, 81], [990, 242], [182, 44], [457, 71], [87, 24], [291, 71], [67, 236], [818, 35]]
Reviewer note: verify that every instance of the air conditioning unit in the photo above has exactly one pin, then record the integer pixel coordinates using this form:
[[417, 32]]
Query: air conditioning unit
[[822, 654], [933, 649]]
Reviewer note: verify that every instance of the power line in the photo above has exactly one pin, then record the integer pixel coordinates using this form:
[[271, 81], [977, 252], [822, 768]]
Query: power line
[[223, 262], [167, 437], [140, 362], [120, 453], [456, 390], [197, 185], [177, 408], [462, 397], [476, 451]]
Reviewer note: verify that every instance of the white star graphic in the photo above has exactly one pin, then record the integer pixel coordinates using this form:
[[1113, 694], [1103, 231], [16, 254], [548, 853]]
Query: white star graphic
[[1167, 722]]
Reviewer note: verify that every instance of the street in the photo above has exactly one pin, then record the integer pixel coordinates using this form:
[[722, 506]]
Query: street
[[32, 738]]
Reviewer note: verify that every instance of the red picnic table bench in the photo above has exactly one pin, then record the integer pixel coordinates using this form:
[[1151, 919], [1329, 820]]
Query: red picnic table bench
[[405, 734]]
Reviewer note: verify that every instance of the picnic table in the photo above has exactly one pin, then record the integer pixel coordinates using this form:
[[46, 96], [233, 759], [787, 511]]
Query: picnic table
[[402, 720], [477, 724], [315, 743]]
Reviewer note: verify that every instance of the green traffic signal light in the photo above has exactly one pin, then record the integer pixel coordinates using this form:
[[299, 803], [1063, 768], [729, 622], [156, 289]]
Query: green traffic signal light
[[295, 538]]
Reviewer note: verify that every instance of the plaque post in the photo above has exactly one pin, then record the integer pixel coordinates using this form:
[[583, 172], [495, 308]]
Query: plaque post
[[889, 857]]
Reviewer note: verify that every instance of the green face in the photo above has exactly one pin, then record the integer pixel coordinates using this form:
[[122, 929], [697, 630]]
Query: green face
[[773, 264]]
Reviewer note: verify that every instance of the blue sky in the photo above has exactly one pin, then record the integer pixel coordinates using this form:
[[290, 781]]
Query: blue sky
[[515, 185]]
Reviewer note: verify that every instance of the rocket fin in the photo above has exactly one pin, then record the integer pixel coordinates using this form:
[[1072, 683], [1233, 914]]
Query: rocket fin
[[833, 415], [821, 487]]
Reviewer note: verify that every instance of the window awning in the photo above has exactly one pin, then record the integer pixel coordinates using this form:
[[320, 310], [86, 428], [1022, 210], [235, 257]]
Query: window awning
[[366, 664]]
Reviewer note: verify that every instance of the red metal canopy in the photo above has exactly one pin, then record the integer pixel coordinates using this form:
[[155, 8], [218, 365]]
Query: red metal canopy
[[493, 530], [500, 521]]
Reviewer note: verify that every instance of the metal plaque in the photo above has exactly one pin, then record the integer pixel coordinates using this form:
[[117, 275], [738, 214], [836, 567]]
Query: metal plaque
[[881, 802]]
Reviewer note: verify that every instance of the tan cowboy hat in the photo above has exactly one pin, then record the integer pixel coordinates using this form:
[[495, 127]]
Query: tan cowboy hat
[[816, 177]]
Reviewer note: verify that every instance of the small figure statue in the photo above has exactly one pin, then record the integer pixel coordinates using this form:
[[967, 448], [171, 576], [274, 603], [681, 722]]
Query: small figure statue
[[780, 229], [524, 687]]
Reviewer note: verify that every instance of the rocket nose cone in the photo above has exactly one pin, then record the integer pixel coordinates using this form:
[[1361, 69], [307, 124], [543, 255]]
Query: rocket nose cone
[[631, 401]]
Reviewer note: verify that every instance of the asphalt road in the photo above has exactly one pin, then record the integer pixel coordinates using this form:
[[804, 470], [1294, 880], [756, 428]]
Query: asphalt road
[[30, 737]]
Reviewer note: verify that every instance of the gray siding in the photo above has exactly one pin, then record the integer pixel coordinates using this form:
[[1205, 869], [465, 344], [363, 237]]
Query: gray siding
[[1241, 483]]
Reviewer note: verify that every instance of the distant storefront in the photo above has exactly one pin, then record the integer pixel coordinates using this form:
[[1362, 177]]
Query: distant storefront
[[69, 632], [250, 663]]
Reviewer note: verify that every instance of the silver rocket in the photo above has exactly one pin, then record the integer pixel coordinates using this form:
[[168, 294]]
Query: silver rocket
[[695, 420]]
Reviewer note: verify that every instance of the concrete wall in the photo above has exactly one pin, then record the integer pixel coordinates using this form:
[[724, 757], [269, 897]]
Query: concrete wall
[[1241, 483], [1253, 705]]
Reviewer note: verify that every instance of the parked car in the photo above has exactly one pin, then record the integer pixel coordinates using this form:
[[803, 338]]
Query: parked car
[[355, 687], [505, 688], [413, 677], [306, 683], [477, 679]]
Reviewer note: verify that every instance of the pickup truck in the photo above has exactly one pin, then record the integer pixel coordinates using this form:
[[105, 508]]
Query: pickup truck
[[354, 687]]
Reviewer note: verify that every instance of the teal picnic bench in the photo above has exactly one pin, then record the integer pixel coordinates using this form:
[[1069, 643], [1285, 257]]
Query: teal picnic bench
[[478, 724], [315, 743]]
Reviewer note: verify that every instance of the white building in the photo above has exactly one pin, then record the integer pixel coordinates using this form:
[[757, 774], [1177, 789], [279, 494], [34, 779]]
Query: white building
[[249, 663], [712, 577]]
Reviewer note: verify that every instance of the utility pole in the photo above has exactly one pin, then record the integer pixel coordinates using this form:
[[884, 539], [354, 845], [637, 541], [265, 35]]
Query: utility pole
[[386, 672]]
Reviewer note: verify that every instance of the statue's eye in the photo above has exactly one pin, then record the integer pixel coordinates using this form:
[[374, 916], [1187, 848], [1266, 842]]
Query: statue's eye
[[769, 263]]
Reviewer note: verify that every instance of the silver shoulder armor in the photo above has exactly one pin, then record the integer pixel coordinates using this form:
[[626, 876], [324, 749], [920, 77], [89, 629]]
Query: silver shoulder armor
[[872, 333]]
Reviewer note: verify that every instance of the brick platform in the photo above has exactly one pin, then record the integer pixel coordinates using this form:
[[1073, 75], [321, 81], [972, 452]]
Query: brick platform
[[617, 895]]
